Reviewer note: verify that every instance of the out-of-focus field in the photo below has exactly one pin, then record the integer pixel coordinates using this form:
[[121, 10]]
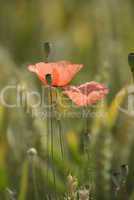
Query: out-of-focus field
[[99, 34]]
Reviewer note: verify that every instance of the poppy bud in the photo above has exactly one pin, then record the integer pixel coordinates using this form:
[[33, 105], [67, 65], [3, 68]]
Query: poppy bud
[[11, 194], [32, 152], [124, 172], [116, 179], [46, 50], [131, 61], [48, 78]]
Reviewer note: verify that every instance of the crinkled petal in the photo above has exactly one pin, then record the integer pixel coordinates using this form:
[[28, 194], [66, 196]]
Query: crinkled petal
[[86, 94], [62, 72]]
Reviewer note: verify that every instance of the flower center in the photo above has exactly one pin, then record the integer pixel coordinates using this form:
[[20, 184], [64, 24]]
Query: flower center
[[48, 78]]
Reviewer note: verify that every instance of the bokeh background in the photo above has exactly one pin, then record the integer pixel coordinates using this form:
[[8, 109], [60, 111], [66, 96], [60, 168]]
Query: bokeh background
[[99, 34]]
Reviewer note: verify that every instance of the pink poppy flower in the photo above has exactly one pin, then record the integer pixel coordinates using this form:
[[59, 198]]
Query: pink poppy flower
[[61, 72], [86, 94]]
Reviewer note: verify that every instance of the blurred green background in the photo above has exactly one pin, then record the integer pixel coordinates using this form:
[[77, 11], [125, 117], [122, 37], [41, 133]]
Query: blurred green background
[[99, 34]]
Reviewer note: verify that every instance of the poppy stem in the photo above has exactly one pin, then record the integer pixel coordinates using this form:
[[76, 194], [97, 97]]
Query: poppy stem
[[86, 138], [60, 137], [87, 121], [51, 130], [48, 132], [35, 182], [47, 49], [61, 141]]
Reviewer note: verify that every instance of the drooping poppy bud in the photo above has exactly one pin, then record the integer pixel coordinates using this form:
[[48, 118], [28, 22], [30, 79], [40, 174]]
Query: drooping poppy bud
[[32, 152], [116, 180], [46, 50], [131, 62], [124, 172]]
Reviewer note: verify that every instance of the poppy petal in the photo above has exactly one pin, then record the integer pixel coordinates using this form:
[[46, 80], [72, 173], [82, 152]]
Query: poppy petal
[[62, 72], [67, 73], [32, 68], [86, 94]]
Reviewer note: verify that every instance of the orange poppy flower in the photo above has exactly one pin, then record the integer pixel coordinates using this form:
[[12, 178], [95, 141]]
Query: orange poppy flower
[[61, 72], [86, 94]]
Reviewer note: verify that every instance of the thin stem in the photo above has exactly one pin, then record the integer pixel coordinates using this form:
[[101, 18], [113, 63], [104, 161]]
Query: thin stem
[[52, 139], [59, 129], [24, 181], [86, 139], [48, 133], [61, 142], [35, 181], [87, 122]]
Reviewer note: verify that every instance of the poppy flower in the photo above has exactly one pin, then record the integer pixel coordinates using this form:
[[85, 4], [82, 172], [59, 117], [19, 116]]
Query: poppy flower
[[61, 72], [86, 94]]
